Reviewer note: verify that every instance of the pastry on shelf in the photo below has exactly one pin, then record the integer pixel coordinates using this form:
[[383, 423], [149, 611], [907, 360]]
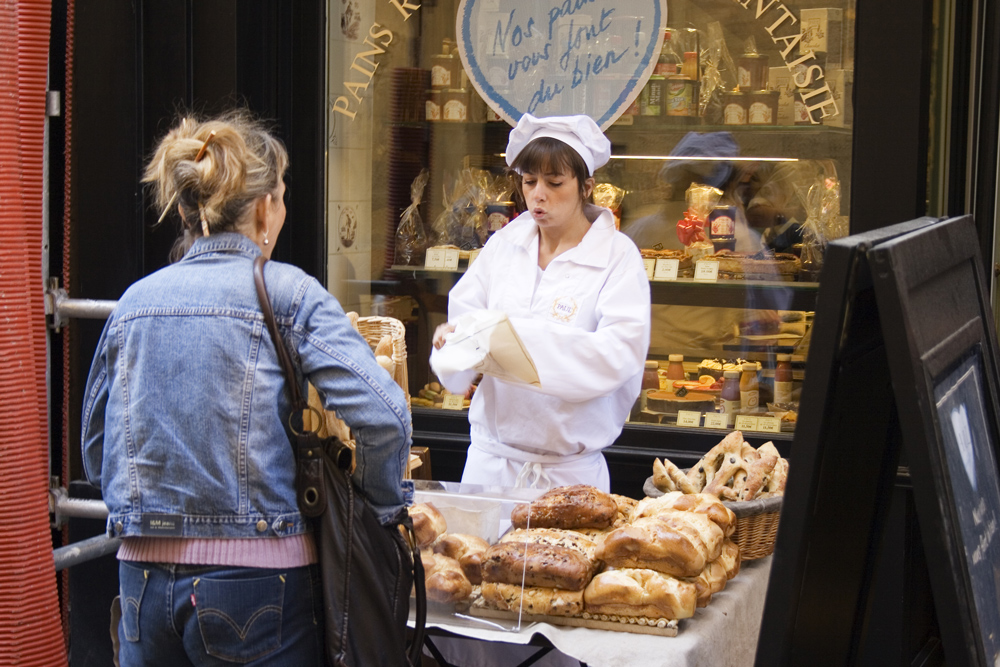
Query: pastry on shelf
[[763, 265], [669, 402]]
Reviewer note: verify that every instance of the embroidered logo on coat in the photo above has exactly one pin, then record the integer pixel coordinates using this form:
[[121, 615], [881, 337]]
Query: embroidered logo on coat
[[564, 309]]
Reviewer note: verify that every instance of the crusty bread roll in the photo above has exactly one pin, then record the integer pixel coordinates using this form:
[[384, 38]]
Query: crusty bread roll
[[428, 523], [595, 535], [456, 545], [709, 581], [543, 565], [640, 592], [554, 536], [625, 507], [730, 558], [677, 543], [701, 503], [443, 578], [578, 506], [466, 549], [550, 601]]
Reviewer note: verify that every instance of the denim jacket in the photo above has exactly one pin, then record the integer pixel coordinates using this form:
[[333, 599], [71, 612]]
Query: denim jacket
[[185, 414]]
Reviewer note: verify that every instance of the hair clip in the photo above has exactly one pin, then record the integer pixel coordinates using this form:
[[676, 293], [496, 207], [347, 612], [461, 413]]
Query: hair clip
[[197, 158]]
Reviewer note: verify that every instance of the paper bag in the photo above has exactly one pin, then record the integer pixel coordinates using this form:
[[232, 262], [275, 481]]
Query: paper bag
[[484, 341]]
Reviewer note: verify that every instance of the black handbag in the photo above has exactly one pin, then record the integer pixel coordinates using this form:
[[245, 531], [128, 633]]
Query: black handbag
[[367, 569]]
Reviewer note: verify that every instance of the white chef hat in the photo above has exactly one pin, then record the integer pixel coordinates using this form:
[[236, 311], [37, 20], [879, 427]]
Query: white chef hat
[[581, 133]]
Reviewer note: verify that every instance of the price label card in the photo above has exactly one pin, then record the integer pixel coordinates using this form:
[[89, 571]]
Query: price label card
[[746, 423], [716, 420], [706, 270], [473, 255], [453, 402], [451, 259], [434, 259], [666, 269], [688, 418], [769, 424], [650, 265]]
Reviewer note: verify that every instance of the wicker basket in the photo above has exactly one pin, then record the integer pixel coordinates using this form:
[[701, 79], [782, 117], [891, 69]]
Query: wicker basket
[[756, 522], [372, 329]]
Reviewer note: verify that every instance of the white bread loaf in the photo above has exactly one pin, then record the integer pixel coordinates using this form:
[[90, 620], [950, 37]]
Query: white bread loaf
[[730, 558], [428, 523], [549, 601], [678, 543], [709, 581], [640, 592], [466, 549], [443, 578], [700, 503]]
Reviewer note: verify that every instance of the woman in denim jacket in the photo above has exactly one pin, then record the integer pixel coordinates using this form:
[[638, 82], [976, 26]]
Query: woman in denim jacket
[[185, 413]]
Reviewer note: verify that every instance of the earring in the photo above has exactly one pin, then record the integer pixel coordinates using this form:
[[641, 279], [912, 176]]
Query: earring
[[265, 239]]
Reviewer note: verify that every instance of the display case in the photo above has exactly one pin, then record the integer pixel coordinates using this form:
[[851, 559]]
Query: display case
[[754, 103]]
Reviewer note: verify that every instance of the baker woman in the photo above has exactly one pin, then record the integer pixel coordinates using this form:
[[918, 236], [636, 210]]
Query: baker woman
[[576, 292]]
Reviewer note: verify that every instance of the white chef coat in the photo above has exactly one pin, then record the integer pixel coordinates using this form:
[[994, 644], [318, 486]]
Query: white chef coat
[[585, 324]]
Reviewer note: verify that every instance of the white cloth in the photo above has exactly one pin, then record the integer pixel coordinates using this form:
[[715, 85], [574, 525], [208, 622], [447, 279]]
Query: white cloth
[[482, 467], [723, 634], [580, 133], [585, 325]]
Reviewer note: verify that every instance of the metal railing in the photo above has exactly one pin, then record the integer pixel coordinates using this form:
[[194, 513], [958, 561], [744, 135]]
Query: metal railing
[[61, 308], [64, 507]]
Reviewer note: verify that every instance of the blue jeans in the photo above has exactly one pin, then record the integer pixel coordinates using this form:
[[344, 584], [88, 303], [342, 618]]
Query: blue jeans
[[209, 616]]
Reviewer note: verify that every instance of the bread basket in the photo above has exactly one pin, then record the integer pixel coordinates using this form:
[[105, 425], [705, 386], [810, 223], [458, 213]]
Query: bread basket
[[756, 522], [372, 329]]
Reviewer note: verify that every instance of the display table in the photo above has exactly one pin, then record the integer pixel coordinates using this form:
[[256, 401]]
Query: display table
[[721, 634]]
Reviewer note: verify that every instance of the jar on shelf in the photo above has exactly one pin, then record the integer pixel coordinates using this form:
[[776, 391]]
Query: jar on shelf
[[650, 381], [681, 98], [445, 68], [763, 109], [675, 367], [730, 395], [722, 227], [749, 388], [432, 105], [783, 379], [752, 71], [498, 214], [734, 107], [455, 105]]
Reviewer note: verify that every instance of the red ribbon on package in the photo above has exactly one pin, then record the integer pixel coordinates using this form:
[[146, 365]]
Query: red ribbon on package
[[690, 229]]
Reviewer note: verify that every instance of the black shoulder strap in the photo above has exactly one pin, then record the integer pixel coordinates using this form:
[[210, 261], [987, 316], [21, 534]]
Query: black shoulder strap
[[279, 344]]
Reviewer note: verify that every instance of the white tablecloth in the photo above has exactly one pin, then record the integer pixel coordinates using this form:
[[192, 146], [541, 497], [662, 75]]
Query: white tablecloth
[[722, 634]]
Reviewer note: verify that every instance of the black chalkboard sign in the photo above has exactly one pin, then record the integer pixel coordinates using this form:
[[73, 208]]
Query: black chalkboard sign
[[904, 357], [933, 296]]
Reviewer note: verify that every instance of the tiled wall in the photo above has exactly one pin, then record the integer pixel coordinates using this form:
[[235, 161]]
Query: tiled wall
[[349, 163]]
